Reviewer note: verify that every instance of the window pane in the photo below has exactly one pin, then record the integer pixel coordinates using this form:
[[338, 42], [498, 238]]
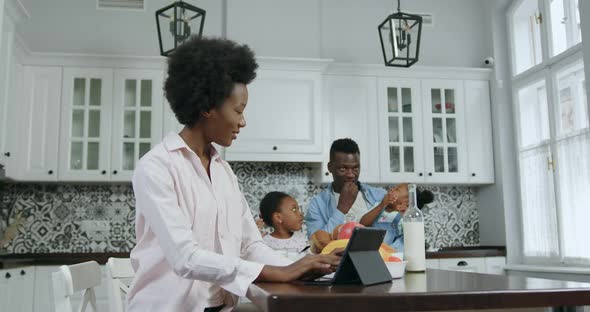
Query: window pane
[[408, 130], [534, 119], [449, 101], [394, 159], [435, 100], [78, 123], [453, 162], [573, 164], [572, 109], [79, 91], [144, 148], [76, 156], [92, 161], [564, 24], [130, 92], [145, 124], [408, 159], [95, 88], [451, 130], [539, 219], [129, 124], [392, 100], [393, 129], [128, 156], [526, 37], [146, 93], [439, 159], [93, 124], [437, 130], [406, 100]]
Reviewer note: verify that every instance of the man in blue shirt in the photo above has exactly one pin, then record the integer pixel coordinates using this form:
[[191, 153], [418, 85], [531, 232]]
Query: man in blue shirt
[[346, 199]]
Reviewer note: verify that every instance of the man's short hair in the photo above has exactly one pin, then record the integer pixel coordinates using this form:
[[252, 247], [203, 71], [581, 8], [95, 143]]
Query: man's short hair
[[346, 145]]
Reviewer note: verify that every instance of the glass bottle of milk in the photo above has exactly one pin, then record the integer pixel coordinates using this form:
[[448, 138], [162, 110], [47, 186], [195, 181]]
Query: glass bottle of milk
[[413, 225]]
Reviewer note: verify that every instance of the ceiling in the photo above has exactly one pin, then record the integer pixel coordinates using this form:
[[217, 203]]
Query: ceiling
[[77, 26]]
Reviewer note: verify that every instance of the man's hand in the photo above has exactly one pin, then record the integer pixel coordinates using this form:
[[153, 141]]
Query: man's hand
[[347, 196]]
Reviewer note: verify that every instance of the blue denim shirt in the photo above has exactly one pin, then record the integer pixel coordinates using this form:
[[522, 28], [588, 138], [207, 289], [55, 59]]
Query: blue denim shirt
[[323, 213], [392, 223]]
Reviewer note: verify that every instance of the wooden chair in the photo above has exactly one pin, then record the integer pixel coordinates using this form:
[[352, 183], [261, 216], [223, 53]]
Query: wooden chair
[[119, 272], [71, 279]]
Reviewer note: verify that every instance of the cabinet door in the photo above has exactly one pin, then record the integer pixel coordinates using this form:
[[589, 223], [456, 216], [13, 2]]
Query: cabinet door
[[464, 264], [85, 135], [349, 112], [432, 264], [400, 131], [282, 119], [137, 118], [38, 129], [480, 152], [10, 77], [16, 289], [444, 137]]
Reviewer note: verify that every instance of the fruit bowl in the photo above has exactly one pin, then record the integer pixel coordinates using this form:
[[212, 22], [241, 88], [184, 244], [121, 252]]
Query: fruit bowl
[[396, 269]]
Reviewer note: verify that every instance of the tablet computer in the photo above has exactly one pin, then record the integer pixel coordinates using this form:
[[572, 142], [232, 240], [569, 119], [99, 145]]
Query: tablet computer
[[361, 262]]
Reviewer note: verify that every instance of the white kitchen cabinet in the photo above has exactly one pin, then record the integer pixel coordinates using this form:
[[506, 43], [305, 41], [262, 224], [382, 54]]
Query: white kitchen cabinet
[[350, 111], [36, 155], [495, 265], [137, 118], [480, 156], [16, 287], [85, 137], [435, 131], [477, 265], [400, 130], [445, 144], [282, 118], [7, 86], [110, 118]]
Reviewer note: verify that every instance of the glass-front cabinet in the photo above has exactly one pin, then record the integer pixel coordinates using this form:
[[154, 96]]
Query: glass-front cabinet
[[137, 117], [85, 132], [110, 118], [400, 130], [444, 131]]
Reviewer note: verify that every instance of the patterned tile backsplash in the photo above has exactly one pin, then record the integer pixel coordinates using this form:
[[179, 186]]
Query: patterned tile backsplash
[[52, 218]]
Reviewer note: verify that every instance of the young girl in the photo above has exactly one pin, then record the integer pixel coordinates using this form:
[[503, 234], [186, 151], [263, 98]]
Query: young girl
[[281, 212]]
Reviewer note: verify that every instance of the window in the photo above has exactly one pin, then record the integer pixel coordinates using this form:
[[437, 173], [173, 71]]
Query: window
[[553, 130]]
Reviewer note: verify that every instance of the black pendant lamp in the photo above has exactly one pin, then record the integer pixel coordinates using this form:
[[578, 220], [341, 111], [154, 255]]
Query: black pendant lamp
[[176, 23], [400, 38]]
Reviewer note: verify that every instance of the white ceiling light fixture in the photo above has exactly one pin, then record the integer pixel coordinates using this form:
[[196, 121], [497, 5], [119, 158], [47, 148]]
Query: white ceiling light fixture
[[120, 4]]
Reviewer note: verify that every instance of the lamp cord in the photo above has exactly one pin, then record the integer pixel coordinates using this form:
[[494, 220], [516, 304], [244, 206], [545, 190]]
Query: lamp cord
[[398, 9]]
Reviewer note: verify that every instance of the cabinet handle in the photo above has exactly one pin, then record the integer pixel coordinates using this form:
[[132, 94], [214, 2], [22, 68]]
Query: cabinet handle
[[327, 173], [420, 174], [473, 174], [7, 154], [274, 148], [104, 172], [114, 171], [22, 272], [462, 263], [430, 174], [50, 172], [7, 275]]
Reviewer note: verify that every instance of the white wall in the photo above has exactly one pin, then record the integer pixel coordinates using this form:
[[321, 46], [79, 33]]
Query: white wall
[[346, 30], [585, 11]]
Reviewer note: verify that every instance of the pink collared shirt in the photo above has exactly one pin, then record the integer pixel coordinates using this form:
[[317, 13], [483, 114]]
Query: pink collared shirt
[[197, 243]]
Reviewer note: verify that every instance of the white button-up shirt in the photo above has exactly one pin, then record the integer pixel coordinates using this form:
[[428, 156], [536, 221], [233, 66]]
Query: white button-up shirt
[[197, 243]]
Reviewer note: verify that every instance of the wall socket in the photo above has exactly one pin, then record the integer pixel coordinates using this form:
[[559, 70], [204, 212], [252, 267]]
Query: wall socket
[[95, 226]]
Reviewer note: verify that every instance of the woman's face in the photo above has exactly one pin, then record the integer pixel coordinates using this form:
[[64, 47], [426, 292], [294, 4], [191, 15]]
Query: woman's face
[[226, 121], [290, 214]]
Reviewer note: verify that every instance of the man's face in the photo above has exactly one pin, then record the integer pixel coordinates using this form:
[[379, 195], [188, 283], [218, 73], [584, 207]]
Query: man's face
[[345, 167]]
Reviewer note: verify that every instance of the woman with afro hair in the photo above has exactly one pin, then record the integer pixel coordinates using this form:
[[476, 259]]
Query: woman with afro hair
[[197, 246]]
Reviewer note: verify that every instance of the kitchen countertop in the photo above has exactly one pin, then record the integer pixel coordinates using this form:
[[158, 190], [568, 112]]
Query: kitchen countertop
[[71, 258]]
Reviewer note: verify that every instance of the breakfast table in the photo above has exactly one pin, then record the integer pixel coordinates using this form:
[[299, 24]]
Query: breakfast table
[[427, 291]]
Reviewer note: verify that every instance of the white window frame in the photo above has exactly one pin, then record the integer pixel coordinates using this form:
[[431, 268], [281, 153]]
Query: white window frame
[[546, 70]]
